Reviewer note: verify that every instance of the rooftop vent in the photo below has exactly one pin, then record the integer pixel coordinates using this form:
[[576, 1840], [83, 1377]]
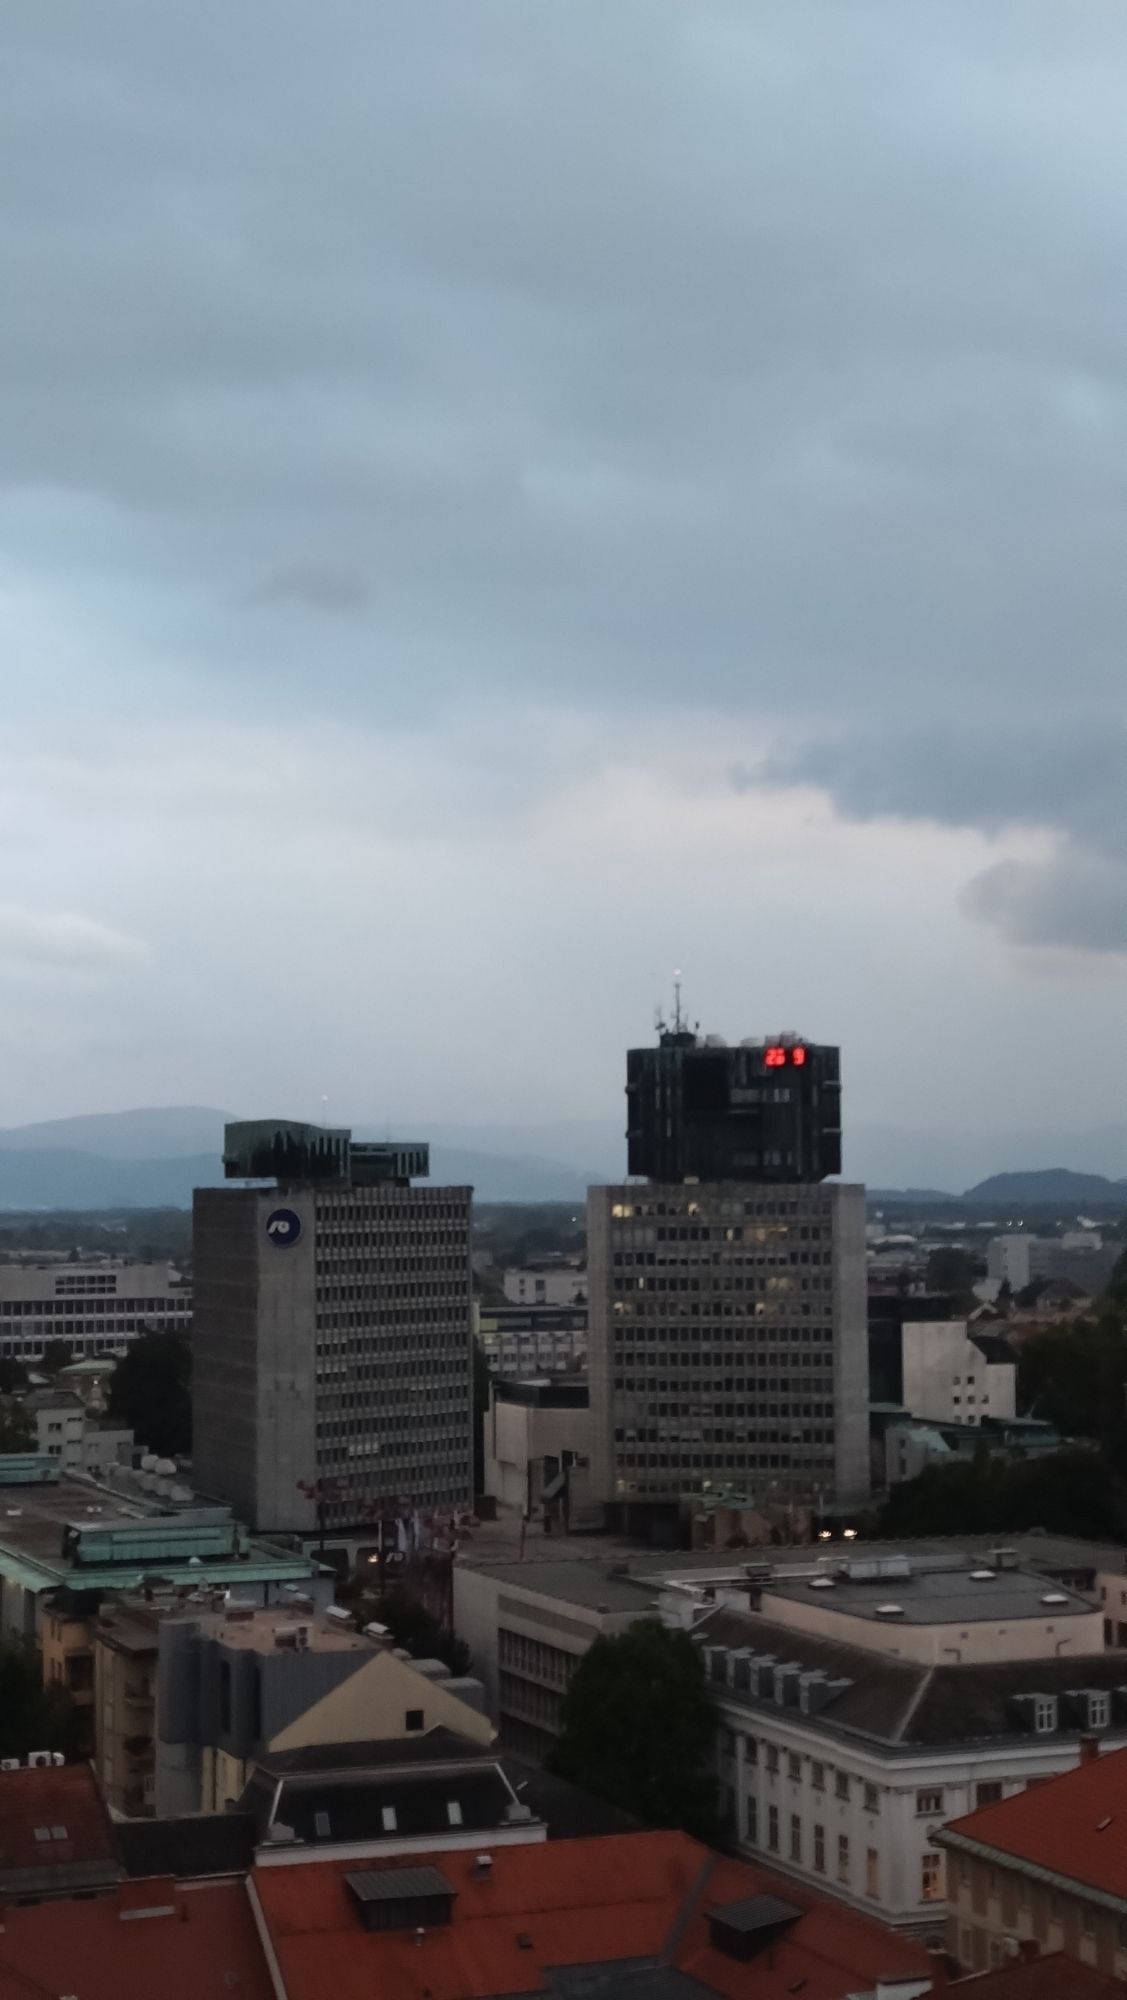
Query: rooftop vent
[[401, 1899], [741, 1930], [1002, 1558], [982, 1576], [820, 1583]]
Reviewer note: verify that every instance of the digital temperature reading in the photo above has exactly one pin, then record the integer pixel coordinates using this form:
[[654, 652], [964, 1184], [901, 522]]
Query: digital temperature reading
[[779, 1058]]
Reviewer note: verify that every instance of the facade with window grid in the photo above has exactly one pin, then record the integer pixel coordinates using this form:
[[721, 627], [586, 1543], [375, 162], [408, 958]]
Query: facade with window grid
[[93, 1309], [332, 1374], [727, 1343]]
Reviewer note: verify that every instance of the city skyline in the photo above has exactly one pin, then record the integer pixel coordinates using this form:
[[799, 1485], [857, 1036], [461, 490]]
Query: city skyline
[[567, 493]]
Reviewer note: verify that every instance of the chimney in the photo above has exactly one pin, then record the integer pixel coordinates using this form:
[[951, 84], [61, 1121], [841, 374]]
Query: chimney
[[1089, 1749]]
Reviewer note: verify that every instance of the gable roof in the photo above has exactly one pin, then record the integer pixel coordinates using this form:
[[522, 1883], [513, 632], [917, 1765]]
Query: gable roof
[[640, 1900], [1053, 1977], [374, 1701], [1075, 1826]]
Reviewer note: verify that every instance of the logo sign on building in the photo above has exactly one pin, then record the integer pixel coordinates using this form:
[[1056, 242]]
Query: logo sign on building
[[283, 1227]]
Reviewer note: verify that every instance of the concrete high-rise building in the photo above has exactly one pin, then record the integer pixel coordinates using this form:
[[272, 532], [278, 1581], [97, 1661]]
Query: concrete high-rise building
[[727, 1325], [332, 1377]]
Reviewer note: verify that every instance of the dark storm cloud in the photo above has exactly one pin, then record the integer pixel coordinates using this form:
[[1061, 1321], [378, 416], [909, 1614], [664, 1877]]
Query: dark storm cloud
[[1077, 901], [769, 361]]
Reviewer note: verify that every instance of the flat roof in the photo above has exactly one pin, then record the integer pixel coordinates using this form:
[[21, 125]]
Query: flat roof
[[577, 1582], [932, 1596]]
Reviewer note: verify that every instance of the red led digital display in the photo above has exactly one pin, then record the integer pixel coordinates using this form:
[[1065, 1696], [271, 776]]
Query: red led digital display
[[798, 1057], [778, 1058]]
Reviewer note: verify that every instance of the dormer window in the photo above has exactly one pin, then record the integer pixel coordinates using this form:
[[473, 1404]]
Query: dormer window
[[1045, 1714]]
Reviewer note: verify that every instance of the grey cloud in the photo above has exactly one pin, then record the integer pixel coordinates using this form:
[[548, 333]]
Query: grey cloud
[[322, 585], [63, 940], [1077, 901]]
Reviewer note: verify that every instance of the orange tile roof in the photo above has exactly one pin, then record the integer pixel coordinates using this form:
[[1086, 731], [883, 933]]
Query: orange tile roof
[[1054, 1977], [593, 1901], [1075, 1825], [205, 1947], [66, 1797]]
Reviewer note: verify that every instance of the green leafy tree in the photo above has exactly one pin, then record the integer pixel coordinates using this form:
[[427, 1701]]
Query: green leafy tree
[[638, 1729], [150, 1390], [32, 1716], [1072, 1492], [1075, 1375], [13, 1375], [56, 1355], [418, 1631], [17, 1431], [950, 1269]]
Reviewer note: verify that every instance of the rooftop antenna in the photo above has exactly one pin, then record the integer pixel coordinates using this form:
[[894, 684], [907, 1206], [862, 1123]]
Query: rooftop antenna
[[678, 1017]]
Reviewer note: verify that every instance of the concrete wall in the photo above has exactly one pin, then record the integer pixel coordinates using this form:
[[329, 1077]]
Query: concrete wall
[[518, 1437], [947, 1379], [973, 1641]]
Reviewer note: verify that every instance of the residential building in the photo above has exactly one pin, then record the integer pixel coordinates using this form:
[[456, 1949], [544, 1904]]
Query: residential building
[[66, 1645], [125, 1689], [768, 1110], [956, 1373], [555, 1281], [64, 1430], [649, 1913], [537, 1448], [332, 1350], [1047, 1865], [1080, 1257], [532, 1340], [94, 1309], [236, 1681], [77, 1533], [728, 1345]]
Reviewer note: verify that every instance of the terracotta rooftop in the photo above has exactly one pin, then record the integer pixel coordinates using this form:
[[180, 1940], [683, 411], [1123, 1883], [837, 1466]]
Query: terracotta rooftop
[[1074, 1825], [145, 1938], [641, 1897], [54, 1829], [1054, 1977]]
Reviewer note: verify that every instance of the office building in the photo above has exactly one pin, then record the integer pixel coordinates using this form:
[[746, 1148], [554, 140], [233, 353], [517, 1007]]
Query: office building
[[332, 1350], [768, 1109], [533, 1340], [727, 1345], [727, 1340], [92, 1308]]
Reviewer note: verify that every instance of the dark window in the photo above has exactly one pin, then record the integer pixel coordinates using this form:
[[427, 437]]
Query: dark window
[[415, 1718]]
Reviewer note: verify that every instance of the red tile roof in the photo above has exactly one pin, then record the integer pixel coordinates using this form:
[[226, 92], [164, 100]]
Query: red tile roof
[[52, 1799], [1075, 1825], [204, 1947], [591, 1902], [1054, 1977]]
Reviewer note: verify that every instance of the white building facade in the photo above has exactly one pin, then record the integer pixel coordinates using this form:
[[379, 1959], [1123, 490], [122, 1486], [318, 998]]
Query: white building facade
[[952, 1374], [93, 1309]]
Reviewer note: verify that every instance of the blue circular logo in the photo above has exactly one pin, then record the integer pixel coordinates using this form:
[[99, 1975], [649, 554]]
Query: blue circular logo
[[283, 1227]]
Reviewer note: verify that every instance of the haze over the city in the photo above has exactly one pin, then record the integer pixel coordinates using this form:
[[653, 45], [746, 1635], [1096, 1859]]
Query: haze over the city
[[498, 502]]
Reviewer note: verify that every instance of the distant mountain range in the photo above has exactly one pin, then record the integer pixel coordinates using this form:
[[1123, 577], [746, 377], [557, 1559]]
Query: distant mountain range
[[154, 1158]]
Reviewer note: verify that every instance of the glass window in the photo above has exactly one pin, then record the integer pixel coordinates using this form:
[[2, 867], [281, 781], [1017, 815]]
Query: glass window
[[988, 1793], [872, 1799], [820, 1849], [872, 1872], [794, 1764], [773, 1828], [931, 1877], [930, 1800], [772, 1758], [841, 1784], [1045, 1714], [818, 1777], [843, 1857], [795, 1837]]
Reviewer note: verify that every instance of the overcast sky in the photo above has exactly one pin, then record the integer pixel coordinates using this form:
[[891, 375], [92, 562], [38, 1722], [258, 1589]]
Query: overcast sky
[[499, 498]]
